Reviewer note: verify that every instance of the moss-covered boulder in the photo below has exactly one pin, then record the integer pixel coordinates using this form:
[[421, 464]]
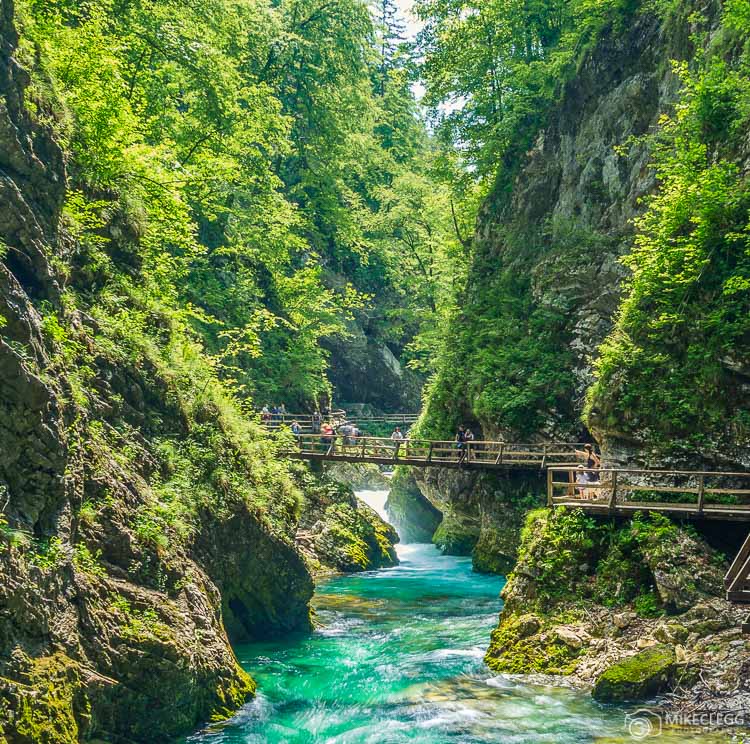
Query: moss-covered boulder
[[522, 644], [456, 536], [638, 677], [339, 532], [355, 538]]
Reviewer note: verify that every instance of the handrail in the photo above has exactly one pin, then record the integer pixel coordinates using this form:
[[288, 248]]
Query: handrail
[[697, 493], [439, 453]]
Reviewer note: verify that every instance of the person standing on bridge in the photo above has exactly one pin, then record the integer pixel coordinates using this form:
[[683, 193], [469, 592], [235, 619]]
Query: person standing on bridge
[[468, 439], [592, 460], [316, 421], [397, 437], [297, 431]]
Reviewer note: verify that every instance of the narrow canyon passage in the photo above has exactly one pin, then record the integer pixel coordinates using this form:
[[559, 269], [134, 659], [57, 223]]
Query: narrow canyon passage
[[398, 657]]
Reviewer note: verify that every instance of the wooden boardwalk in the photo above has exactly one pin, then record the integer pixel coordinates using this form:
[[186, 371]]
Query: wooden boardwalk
[[683, 494], [680, 493], [432, 453]]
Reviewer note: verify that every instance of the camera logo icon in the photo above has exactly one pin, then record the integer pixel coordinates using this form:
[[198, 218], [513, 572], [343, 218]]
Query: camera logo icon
[[643, 724]]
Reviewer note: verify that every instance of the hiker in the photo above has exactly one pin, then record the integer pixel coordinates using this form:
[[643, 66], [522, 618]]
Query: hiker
[[346, 433], [468, 439], [328, 436], [460, 437], [316, 421], [592, 460], [275, 413], [397, 437], [265, 415], [297, 431], [282, 410]]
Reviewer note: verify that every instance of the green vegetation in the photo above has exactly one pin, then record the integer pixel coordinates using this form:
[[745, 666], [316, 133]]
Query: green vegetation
[[685, 319], [638, 677], [684, 314], [257, 171]]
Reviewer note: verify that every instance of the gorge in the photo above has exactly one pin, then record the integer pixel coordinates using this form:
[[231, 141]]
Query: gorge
[[531, 219]]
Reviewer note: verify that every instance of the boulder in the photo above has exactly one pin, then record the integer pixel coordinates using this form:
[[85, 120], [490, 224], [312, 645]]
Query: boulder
[[568, 636], [638, 677]]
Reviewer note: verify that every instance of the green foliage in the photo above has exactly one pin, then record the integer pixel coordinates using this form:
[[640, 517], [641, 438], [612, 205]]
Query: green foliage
[[253, 165], [138, 625], [685, 319], [493, 69], [87, 562], [648, 605], [47, 554]]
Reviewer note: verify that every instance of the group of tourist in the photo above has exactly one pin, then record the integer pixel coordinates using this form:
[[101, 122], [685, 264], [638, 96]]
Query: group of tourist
[[274, 413]]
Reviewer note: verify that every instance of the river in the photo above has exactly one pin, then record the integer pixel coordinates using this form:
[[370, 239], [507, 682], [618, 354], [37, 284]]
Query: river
[[398, 658]]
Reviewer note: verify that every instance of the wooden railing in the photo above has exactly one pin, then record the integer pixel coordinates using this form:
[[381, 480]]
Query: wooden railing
[[691, 493], [737, 579], [386, 418], [305, 420], [424, 452]]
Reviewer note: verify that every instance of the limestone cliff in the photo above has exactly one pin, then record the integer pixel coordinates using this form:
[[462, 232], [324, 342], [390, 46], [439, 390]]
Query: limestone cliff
[[546, 280], [138, 510]]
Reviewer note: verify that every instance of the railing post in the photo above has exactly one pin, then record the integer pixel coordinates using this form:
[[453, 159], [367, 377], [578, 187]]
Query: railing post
[[550, 487], [429, 452], [613, 497], [544, 456], [701, 492]]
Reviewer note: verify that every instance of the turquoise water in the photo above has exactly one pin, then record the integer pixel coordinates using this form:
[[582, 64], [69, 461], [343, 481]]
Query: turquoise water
[[398, 658]]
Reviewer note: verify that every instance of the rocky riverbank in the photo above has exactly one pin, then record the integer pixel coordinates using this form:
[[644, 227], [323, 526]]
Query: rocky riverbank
[[338, 532], [633, 609]]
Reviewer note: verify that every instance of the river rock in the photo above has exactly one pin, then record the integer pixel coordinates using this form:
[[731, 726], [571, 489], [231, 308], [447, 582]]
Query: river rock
[[638, 677], [623, 620], [568, 636]]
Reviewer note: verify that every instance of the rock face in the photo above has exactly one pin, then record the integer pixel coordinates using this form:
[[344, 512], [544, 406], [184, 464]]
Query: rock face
[[548, 241], [128, 529], [363, 369], [483, 512], [415, 518]]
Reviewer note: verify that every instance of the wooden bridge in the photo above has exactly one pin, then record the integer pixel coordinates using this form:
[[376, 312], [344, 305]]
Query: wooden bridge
[[690, 494], [432, 453]]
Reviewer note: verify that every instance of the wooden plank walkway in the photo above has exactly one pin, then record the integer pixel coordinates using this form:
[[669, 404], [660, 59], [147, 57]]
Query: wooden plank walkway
[[432, 453], [681, 493]]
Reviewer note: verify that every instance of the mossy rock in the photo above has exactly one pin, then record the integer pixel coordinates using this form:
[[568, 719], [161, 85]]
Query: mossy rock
[[488, 557], [456, 538], [518, 647], [48, 706], [638, 677]]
